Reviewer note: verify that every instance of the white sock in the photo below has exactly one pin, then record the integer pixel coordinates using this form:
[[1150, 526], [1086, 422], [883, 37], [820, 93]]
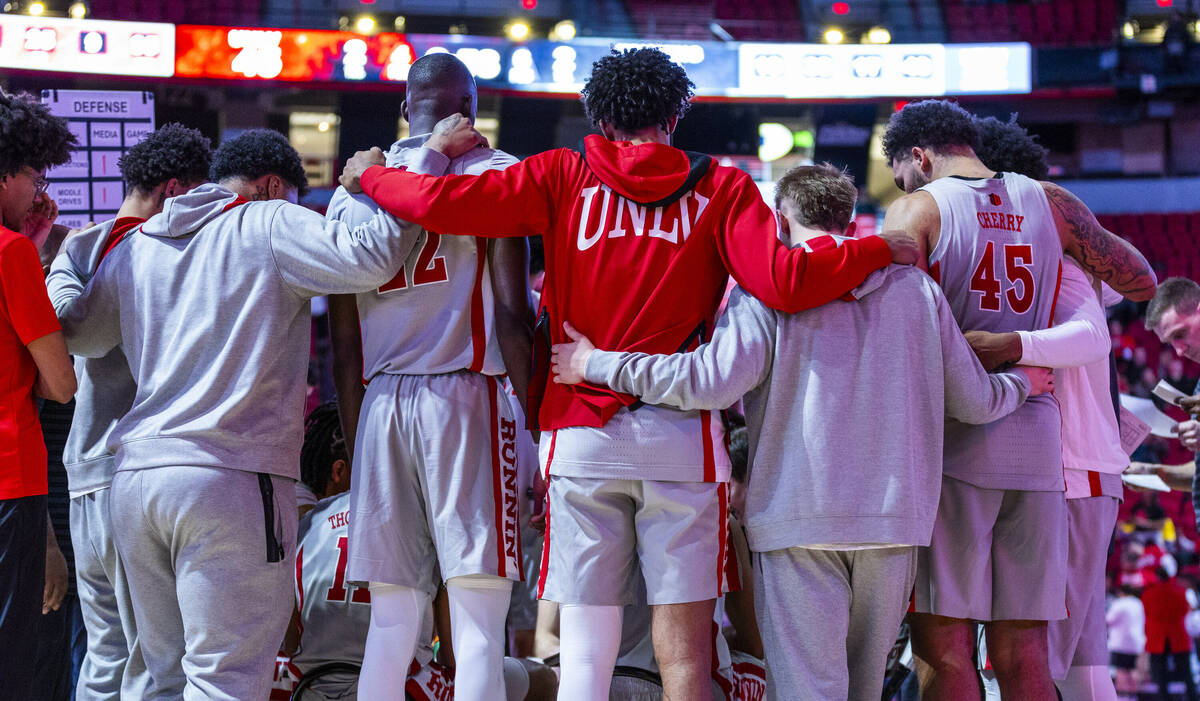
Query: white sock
[[1091, 683], [590, 638], [478, 608], [396, 613]]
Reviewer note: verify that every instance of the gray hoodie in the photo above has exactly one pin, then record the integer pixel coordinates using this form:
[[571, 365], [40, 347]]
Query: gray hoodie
[[845, 406], [210, 303], [106, 387]]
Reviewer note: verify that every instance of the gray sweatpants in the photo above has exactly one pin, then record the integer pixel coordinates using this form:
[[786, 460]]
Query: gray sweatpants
[[808, 601], [113, 667], [210, 609]]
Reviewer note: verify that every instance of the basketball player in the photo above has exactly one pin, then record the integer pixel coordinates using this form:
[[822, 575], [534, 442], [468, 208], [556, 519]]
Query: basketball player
[[833, 521], [209, 301], [1078, 347], [169, 162], [640, 239], [994, 241], [434, 483]]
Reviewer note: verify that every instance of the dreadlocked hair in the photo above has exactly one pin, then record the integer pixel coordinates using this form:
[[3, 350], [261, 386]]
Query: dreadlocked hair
[[323, 446]]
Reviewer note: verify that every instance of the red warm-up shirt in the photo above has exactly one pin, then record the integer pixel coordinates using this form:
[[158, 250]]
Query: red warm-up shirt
[[634, 259], [1166, 606], [25, 316]]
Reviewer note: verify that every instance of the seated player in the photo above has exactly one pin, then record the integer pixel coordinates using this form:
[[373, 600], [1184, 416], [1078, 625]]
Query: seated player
[[833, 519]]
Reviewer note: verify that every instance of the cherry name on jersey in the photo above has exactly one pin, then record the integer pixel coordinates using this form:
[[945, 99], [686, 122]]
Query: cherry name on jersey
[[1000, 220]]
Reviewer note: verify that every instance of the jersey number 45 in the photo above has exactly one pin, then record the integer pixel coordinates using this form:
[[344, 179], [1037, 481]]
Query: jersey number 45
[[1018, 268]]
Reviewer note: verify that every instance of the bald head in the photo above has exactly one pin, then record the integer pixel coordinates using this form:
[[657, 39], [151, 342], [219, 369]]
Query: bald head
[[439, 85]]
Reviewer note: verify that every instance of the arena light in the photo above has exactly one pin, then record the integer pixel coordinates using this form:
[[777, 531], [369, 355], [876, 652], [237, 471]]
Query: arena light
[[774, 141], [563, 31], [400, 23], [518, 30], [833, 35], [878, 35], [1128, 30], [841, 8], [365, 24], [37, 9], [78, 10]]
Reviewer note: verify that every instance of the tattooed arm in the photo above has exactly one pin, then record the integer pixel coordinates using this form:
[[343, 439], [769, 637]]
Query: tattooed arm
[[1101, 252]]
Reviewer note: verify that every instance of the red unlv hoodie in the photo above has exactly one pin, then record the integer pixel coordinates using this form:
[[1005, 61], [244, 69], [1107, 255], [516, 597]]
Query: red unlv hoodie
[[639, 240]]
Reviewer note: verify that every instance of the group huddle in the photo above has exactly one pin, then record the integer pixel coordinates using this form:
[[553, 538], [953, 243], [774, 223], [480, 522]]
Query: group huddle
[[895, 469]]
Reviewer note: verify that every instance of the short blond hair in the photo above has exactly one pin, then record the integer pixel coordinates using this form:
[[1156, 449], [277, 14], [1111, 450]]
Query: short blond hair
[[823, 196]]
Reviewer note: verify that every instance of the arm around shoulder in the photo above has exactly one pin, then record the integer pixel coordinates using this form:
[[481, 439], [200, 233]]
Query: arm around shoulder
[[714, 376]]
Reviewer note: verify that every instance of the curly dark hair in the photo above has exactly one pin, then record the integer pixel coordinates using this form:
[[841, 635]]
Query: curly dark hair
[[936, 124], [256, 153], [323, 446], [1006, 146], [31, 135], [171, 151], [635, 89]]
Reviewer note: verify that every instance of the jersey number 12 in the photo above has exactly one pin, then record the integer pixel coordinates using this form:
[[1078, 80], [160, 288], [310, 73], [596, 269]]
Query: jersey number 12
[[430, 267]]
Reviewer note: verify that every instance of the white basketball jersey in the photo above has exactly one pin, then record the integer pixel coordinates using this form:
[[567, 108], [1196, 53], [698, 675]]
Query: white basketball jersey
[[998, 259], [436, 315], [334, 614]]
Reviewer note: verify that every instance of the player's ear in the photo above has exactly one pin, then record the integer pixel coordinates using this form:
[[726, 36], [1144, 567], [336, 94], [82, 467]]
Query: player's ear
[[852, 229], [339, 474], [404, 109], [172, 188]]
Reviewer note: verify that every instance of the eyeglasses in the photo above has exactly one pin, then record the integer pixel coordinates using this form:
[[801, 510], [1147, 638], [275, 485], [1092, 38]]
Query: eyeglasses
[[40, 183]]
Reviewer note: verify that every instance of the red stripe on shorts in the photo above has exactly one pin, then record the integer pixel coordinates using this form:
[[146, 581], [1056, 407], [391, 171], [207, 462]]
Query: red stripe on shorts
[[546, 533], [478, 332], [723, 535], [497, 478], [710, 463], [1094, 484]]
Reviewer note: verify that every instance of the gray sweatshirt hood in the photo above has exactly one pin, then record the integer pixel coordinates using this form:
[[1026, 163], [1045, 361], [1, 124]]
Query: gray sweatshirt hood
[[186, 214], [395, 159]]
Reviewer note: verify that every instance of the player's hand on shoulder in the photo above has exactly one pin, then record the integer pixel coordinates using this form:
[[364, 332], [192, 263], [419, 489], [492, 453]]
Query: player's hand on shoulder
[[569, 360], [454, 136], [903, 246], [1041, 380], [357, 165], [1189, 434]]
